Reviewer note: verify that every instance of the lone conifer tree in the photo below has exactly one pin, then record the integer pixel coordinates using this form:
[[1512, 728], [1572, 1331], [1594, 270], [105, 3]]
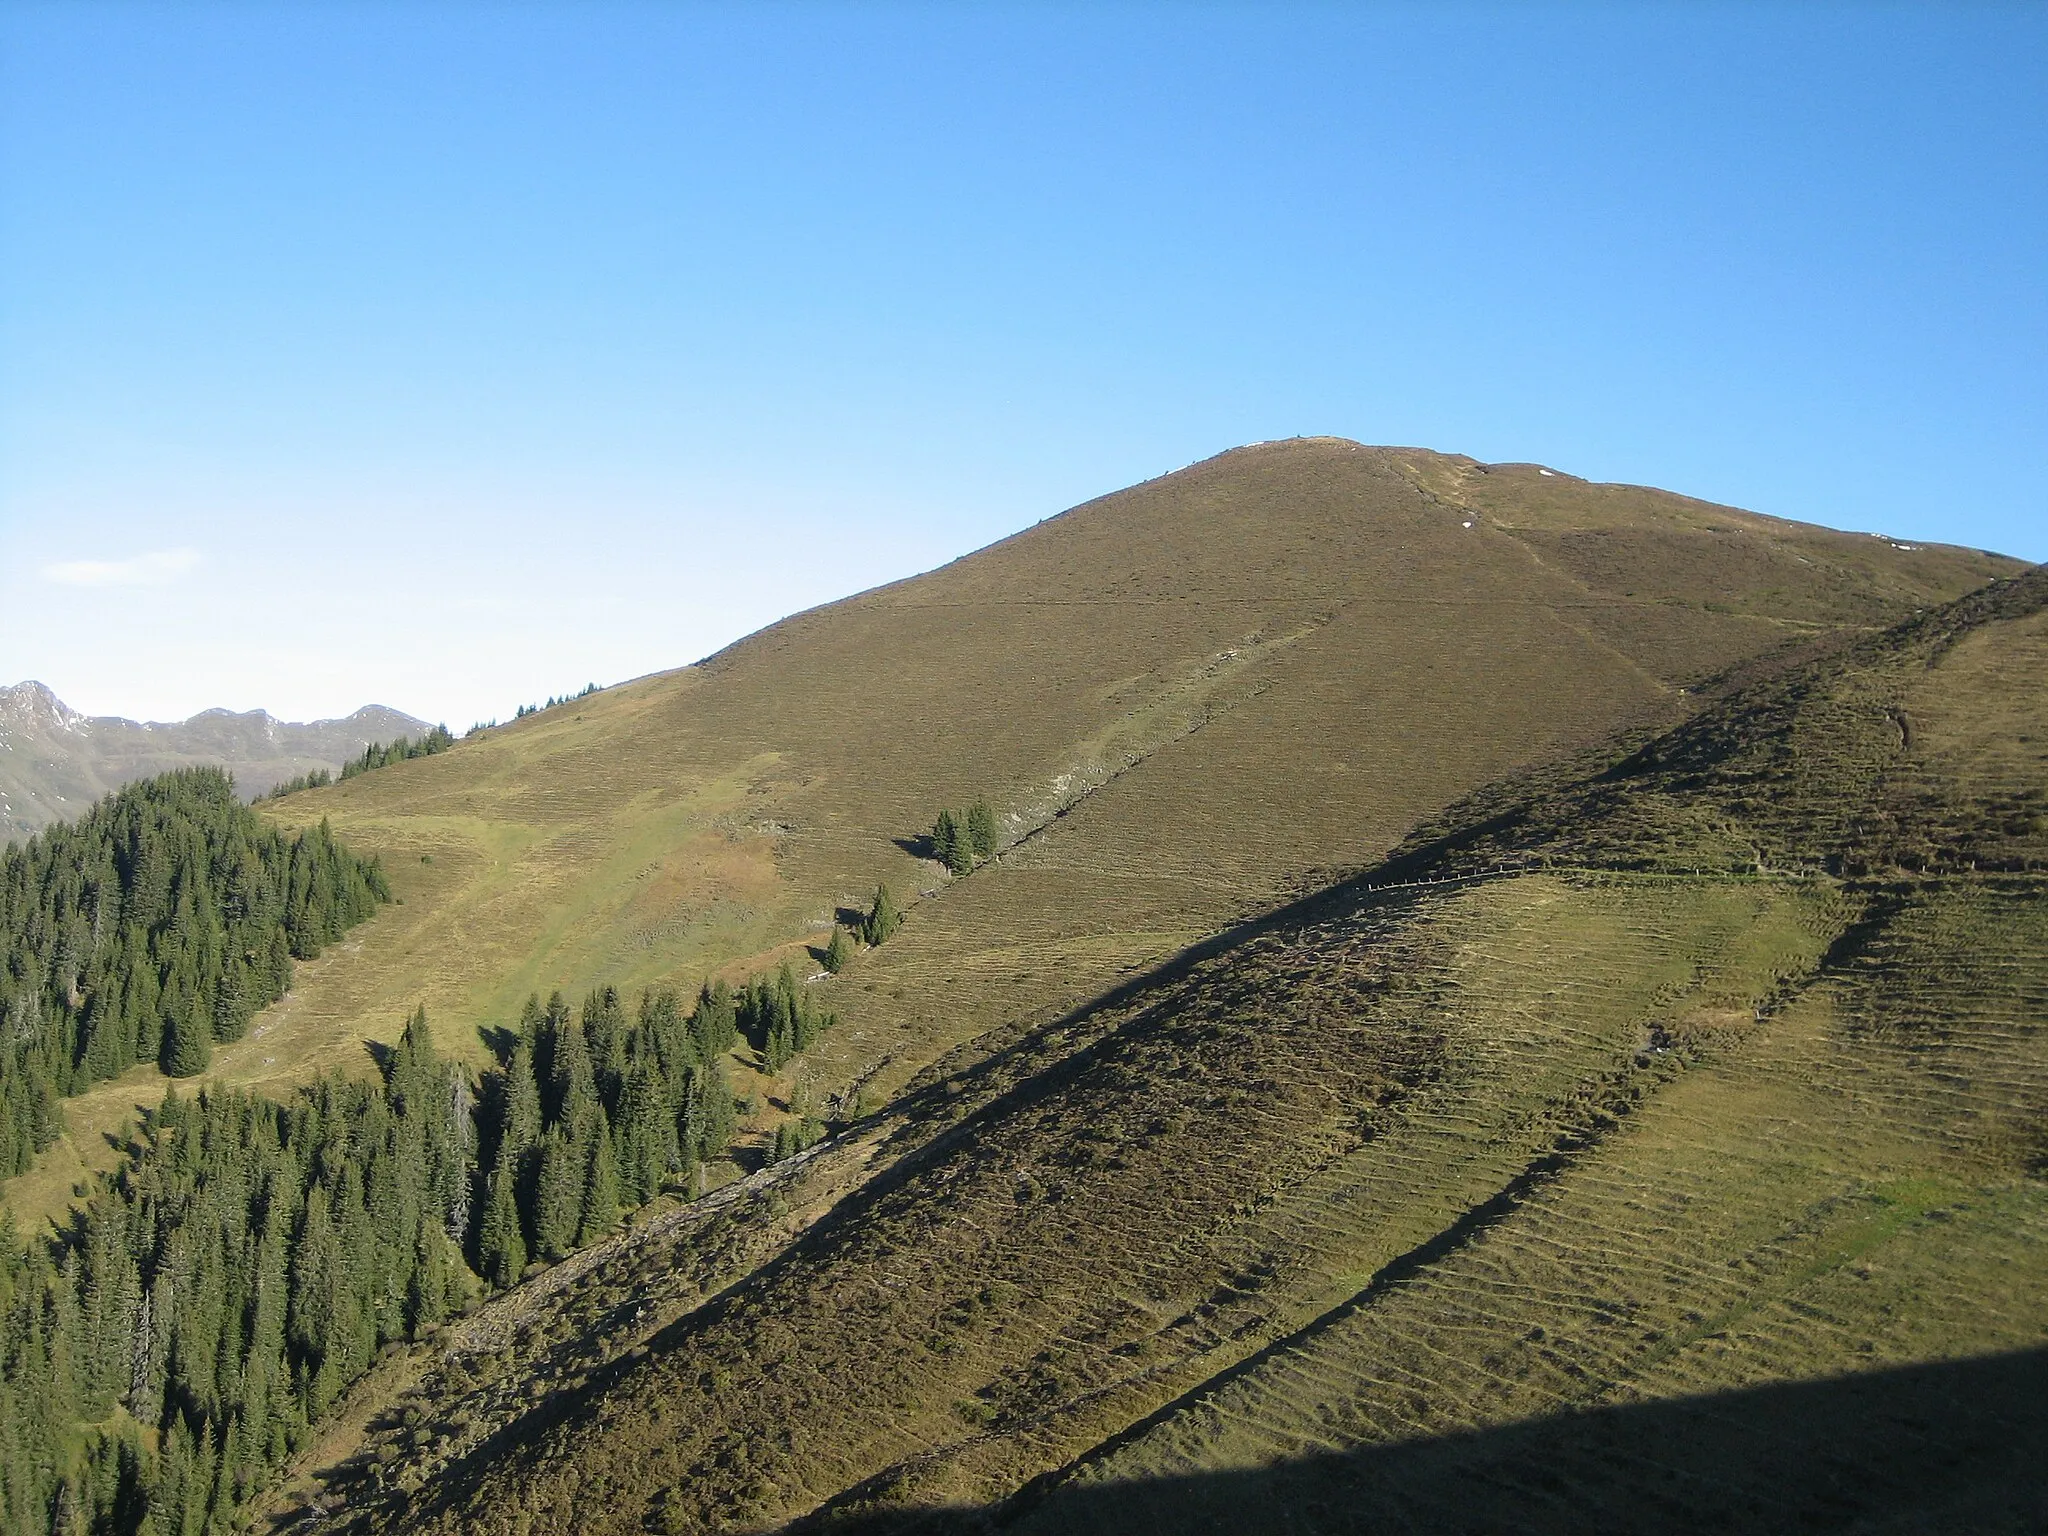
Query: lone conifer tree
[[838, 951], [981, 830], [883, 919], [947, 845]]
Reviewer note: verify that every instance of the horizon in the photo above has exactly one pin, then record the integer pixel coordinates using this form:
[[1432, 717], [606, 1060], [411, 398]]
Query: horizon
[[450, 359]]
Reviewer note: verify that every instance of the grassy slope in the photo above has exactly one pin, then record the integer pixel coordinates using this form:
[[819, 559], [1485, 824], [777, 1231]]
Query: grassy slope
[[1599, 1131], [1230, 680]]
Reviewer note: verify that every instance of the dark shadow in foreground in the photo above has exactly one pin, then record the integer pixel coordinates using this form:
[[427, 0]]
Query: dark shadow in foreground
[[1959, 1446]]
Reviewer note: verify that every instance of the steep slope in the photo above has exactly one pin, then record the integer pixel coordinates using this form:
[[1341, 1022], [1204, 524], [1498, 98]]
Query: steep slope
[[1226, 679], [1714, 1063], [1186, 701], [55, 762]]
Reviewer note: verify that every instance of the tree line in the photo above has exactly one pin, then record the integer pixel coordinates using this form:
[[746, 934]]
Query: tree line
[[318, 778], [376, 755], [533, 709], [154, 926], [382, 755]]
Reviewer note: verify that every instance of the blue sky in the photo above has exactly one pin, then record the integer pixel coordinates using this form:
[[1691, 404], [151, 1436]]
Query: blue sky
[[452, 356]]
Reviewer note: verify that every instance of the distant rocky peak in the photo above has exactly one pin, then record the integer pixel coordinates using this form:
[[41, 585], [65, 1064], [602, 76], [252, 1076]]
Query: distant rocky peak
[[32, 705]]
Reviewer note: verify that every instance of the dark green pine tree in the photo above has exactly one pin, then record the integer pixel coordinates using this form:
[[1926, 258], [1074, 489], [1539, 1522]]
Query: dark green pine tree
[[558, 1193], [714, 1023], [572, 1085], [811, 1023], [520, 1106], [500, 1245], [949, 845], [433, 1289], [313, 1261], [188, 1043], [643, 1138], [415, 1071], [231, 1008], [883, 919], [708, 1116], [605, 1031], [838, 950], [600, 1211], [981, 830]]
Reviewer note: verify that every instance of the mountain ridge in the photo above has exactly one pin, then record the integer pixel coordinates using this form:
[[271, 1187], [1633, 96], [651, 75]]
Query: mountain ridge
[[55, 761]]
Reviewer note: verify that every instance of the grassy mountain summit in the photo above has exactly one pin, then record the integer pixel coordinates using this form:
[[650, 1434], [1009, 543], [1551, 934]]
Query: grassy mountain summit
[[1183, 701], [1551, 1173]]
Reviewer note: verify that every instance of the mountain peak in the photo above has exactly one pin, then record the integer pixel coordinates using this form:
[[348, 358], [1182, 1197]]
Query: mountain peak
[[33, 703], [55, 761]]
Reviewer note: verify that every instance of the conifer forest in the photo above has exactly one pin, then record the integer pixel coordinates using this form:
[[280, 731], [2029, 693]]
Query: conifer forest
[[212, 1297]]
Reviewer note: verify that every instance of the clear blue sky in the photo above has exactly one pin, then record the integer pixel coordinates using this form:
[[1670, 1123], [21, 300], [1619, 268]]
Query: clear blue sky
[[450, 356]]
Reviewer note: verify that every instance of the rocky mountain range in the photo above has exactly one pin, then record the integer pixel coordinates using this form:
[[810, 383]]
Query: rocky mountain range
[[54, 761]]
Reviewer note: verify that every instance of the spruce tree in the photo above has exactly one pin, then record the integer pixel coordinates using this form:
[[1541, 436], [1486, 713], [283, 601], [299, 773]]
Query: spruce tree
[[713, 1023], [500, 1245], [710, 1116], [883, 919], [981, 830], [838, 951], [572, 1085], [605, 1032], [946, 842], [188, 1044], [644, 1143], [600, 1211], [520, 1110], [558, 1193], [431, 1285]]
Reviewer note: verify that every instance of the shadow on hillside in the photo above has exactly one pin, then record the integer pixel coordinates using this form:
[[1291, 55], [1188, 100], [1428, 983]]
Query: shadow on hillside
[[1958, 1446]]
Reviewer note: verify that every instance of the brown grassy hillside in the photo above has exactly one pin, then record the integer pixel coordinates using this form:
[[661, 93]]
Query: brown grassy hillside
[[1185, 700], [1679, 1076]]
